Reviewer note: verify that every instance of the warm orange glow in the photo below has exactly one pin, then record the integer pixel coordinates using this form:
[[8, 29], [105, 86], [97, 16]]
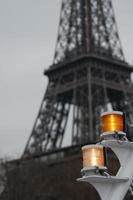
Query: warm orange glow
[[112, 121], [93, 156]]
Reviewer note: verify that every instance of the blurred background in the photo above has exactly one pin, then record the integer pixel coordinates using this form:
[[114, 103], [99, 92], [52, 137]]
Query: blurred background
[[28, 31]]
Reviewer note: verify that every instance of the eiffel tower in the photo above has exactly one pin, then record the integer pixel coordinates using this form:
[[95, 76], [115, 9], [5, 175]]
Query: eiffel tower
[[89, 75]]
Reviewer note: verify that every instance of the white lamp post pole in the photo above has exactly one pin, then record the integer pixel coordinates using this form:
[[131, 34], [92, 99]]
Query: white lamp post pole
[[114, 187]]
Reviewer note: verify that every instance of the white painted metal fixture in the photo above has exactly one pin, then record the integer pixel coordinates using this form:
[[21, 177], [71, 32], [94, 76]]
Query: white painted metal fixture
[[94, 166]]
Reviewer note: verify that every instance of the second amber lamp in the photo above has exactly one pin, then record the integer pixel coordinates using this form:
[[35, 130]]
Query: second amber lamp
[[93, 160], [93, 155]]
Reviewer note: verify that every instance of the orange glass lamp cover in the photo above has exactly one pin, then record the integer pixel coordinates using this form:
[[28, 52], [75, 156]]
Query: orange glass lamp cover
[[93, 155], [112, 121]]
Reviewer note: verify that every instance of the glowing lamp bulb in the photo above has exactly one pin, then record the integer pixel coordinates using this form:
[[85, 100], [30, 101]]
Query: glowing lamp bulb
[[93, 155], [112, 121]]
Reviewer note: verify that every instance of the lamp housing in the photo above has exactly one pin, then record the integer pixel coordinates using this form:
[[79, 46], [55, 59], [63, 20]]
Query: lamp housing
[[94, 160], [113, 125]]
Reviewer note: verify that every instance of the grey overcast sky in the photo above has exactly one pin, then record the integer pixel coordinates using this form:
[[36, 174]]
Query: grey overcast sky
[[28, 31]]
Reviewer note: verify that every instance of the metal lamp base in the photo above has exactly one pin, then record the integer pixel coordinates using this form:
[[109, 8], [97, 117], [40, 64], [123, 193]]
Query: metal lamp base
[[96, 170], [115, 135]]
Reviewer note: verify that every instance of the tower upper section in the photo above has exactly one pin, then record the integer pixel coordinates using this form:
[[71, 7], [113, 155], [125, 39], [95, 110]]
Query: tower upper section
[[87, 27]]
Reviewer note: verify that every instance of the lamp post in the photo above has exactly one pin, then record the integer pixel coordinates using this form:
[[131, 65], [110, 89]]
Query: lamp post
[[94, 159]]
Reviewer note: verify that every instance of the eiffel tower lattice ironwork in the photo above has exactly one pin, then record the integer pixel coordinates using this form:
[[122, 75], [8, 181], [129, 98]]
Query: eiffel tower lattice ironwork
[[89, 75]]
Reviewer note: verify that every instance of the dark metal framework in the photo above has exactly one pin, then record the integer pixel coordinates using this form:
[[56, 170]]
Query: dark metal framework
[[87, 26], [89, 76]]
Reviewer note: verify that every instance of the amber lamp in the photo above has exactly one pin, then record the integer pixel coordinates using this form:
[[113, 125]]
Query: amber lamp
[[112, 121], [93, 156]]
